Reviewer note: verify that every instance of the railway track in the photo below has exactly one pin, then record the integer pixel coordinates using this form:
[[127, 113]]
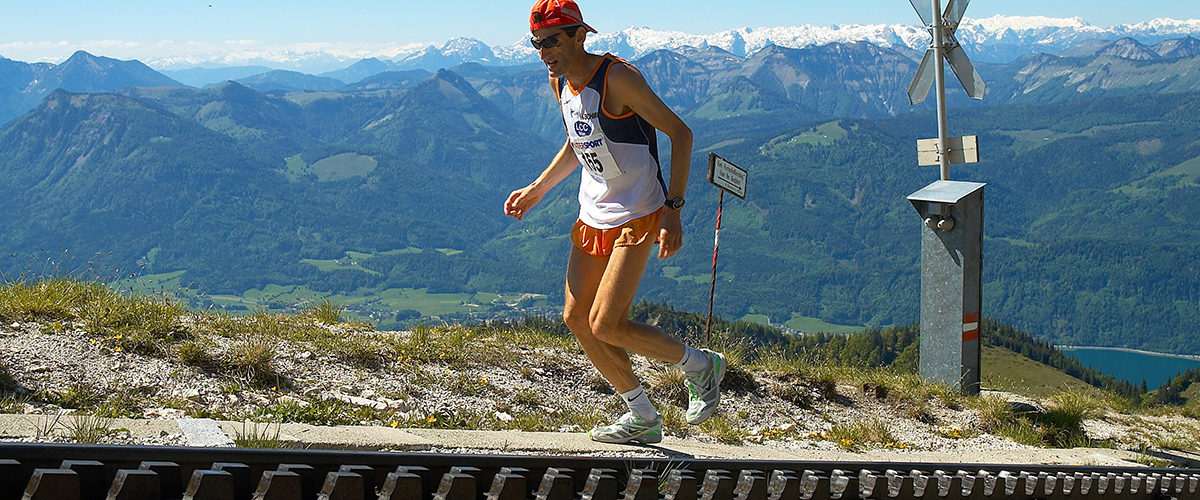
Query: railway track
[[86, 472]]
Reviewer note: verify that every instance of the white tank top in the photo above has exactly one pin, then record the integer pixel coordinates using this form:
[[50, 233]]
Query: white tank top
[[621, 178]]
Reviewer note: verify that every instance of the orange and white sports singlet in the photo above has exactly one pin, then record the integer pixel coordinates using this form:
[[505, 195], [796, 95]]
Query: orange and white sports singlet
[[621, 178]]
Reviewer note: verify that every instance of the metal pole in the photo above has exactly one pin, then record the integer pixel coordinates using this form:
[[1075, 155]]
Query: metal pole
[[939, 27], [713, 284]]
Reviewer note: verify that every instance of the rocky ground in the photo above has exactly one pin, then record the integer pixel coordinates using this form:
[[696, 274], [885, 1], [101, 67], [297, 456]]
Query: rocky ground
[[53, 367]]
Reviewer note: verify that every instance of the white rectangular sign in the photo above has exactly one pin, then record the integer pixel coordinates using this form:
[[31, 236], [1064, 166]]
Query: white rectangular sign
[[727, 176], [961, 150]]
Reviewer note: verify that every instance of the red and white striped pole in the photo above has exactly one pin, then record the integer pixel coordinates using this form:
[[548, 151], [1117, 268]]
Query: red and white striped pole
[[713, 284]]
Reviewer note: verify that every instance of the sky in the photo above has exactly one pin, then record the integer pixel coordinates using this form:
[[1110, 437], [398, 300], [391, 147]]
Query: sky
[[51, 30]]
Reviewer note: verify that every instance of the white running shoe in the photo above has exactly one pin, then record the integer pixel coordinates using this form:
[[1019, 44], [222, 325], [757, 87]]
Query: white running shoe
[[704, 391], [628, 429]]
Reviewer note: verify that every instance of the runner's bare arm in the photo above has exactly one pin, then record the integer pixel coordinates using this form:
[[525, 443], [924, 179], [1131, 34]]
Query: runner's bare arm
[[629, 91], [519, 202]]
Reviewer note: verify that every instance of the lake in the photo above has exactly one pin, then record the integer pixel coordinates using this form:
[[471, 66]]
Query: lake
[[1132, 366]]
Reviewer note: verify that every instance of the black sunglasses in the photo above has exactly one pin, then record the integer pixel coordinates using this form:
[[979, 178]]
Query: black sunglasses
[[549, 42]]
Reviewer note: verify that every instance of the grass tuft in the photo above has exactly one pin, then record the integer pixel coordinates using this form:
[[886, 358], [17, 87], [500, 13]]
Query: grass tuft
[[254, 358], [1060, 426], [860, 435], [325, 312], [1070, 409], [557, 419], [253, 436], [89, 429], [139, 324], [197, 353], [78, 396], [321, 412], [675, 421], [667, 385], [15, 403], [994, 412], [49, 299], [724, 430], [45, 426], [121, 403]]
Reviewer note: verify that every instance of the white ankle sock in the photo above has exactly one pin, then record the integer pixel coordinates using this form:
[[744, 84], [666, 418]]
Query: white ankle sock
[[639, 403], [694, 361]]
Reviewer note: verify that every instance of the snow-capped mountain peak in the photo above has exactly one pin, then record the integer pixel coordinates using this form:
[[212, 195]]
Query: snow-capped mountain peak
[[994, 39], [467, 48]]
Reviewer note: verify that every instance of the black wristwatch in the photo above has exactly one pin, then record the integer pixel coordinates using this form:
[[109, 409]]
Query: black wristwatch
[[674, 203]]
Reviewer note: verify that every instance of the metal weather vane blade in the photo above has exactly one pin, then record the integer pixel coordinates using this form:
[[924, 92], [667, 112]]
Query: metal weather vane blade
[[919, 89], [965, 71], [952, 51], [924, 9], [954, 13]]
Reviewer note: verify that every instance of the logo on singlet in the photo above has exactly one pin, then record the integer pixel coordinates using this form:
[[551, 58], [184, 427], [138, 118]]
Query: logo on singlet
[[592, 144], [583, 129]]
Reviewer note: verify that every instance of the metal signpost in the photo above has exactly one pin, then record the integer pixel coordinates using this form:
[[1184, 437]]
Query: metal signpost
[[731, 178], [951, 214]]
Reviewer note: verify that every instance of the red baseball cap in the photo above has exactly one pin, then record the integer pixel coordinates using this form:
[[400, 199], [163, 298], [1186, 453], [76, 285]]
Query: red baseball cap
[[556, 14]]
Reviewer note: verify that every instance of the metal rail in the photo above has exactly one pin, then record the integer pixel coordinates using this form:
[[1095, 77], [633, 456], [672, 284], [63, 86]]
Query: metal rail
[[70, 472]]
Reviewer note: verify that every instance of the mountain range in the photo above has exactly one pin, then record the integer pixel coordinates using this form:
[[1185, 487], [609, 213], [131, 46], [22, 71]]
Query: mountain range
[[997, 39], [394, 183], [847, 80]]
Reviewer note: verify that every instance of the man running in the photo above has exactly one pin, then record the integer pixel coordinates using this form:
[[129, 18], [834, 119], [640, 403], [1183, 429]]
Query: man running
[[611, 116]]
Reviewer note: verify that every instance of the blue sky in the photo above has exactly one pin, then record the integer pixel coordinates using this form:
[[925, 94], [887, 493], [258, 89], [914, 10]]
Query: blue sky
[[49, 30]]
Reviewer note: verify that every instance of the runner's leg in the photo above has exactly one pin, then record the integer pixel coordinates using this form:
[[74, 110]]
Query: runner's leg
[[584, 273], [609, 318]]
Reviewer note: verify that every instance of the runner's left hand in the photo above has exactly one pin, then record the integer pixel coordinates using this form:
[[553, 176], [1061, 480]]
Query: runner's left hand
[[670, 235]]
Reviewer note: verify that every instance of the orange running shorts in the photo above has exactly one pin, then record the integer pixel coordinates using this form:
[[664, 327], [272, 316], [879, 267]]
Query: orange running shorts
[[600, 242]]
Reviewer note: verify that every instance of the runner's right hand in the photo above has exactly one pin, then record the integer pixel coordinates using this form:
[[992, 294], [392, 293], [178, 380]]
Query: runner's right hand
[[520, 201]]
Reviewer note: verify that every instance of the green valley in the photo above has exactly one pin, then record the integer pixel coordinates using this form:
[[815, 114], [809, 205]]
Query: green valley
[[389, 308]]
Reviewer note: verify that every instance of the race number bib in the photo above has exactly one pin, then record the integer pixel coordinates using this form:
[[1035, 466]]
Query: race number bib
[[592, 150]]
